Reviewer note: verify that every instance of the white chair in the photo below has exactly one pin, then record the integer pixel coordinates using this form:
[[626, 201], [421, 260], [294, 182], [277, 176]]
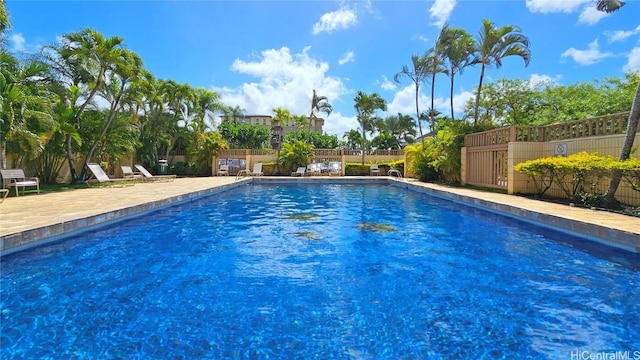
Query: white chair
[[223, 170], [257, 170], [374, 170], [149, 177], [102, 177], [300, 172], [127, 173]]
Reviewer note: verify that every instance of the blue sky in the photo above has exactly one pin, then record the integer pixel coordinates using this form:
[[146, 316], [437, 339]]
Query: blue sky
[[263, 54]]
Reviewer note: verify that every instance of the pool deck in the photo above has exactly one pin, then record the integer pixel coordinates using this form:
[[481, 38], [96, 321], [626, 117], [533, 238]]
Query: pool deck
[[34, 219]]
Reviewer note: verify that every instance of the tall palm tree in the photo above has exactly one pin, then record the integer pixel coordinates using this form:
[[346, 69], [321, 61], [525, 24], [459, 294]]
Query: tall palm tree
[[493, 45], [435, 63], [127, 69], [610, 6], [318, 104], [457, 47], [280, 117], [419, 72], [89, 55], [366, 106]]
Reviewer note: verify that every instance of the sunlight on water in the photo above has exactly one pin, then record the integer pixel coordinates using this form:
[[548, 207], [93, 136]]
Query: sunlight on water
[[344, 272]]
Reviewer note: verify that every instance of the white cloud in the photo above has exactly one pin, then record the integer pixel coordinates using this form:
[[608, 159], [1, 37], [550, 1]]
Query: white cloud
[[348, 57], [536, 80], [339, 19], [459, 101], [586, 57], [404, 101], [338, 124], [286, 80], [555, 6], [387, 84], [440, 11], [621, 35], [18, 42], [591, 16], [633, 60]]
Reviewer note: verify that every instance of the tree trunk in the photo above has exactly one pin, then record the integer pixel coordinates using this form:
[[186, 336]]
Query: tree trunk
[[451, 96], [475, 116], [3, 154], [364, 140], [432, 114], [625, 152], [418, 111], [72, 166], [113, 111]]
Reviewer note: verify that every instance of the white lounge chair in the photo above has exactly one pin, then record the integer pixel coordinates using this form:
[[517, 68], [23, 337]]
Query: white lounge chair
[[223, 170], [150, 177], [127, 173], [335, 168], [257, 170], [300, 172], [102, 177]]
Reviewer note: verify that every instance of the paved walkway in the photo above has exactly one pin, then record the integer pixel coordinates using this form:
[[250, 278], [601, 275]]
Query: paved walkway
[[28, 220]]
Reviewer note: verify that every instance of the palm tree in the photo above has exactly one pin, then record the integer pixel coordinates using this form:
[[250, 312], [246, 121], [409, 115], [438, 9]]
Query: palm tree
[[353, 138], [457, 47], [366, 106], [23, 101], [418, 73], [5, 22], [610, 6], [280, 117], [318, 104], [493, 45], [80, 53], [435, 63]]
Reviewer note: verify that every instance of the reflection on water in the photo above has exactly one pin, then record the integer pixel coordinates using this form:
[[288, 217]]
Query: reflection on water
[[289, 272]]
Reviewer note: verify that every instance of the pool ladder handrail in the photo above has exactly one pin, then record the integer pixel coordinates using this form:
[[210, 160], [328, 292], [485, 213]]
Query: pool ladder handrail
[[397, 173]]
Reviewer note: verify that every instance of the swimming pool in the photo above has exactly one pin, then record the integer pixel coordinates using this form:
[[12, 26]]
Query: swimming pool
[[331, 271]]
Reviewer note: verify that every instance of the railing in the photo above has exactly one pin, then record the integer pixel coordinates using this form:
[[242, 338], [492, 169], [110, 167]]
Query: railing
[[612, 124], [318, 153]]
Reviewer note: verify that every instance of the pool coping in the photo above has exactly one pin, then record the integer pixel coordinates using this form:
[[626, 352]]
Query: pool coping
[[560, 219]]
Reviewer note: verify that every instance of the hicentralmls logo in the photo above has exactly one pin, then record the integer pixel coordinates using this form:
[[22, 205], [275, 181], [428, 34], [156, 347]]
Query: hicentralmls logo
[[605, 355]]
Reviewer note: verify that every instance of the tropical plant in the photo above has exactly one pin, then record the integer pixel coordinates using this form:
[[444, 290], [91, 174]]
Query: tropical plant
[[366, 106], [318, 104], [353, 139], [457, 48], [25, 106], [495, 44], [280, 117], [204, 147], [418, 73], [610, 6], [294, 155]]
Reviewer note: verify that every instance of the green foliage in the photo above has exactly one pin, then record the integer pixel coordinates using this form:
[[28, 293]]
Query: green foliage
[[317, 140], [294, 155], [203, 148], [244, 136], [182, 168], [438, 158], [578, 175], [521, 102]]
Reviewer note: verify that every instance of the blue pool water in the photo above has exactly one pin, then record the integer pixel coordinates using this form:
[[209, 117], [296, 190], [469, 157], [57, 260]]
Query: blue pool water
[[325, 272]]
